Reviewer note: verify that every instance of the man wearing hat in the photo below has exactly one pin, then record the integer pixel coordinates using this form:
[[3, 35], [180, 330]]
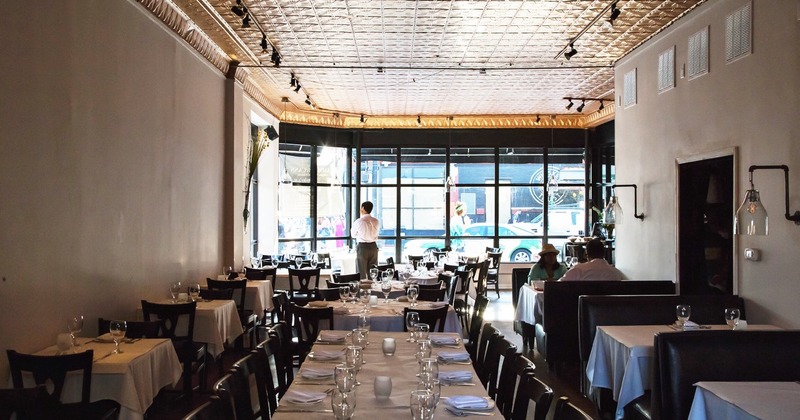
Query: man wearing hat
[[548, 267]]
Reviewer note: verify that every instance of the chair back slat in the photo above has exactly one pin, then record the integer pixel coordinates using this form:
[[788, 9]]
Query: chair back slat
[[239, 288], [170, 316], [52, 369], [261, 273], [302, 282], [135, 329], [436, 318]]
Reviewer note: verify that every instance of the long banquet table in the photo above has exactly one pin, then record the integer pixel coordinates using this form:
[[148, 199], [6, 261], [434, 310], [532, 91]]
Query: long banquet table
[[402, 368], [745, 400], [622, 356], [132, 378], [385, 316]]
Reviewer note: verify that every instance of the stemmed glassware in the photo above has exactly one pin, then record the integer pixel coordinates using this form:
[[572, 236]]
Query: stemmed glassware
[[389, 273], [732, 316], [360, 337], [412, 318], [373, 273], [227, 270], [314, 260], [423, 349], [194, 291], [354, 290], [683, 312], [117, 330], [423, 330], [74, 326], [386, 288], [363, 298], [412, 293], [344, 294], [298, 262], [174, 290]]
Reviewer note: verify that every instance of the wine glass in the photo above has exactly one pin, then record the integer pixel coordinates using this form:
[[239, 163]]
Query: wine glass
[[373, 273], [343, 403], [732, 317], [227, 270], [412, 294], [353, 290], [363, 298], [344, 294], [74, 326], [314, 260], [298, 262], [428, 368], [386, 288], [683, 312], [423, 349], [423, 330], [194, 292], [345, 377], [241, 273], [412, 318], [389, 273], [174, 289], [117, 330], [422, 404]]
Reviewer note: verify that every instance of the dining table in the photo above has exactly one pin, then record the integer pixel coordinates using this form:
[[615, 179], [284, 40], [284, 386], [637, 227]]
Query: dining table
[[401, 367], [132, 378], [216, 322], [529, 305], [258, 297], [745, 400], [384, 316], [621, 359]]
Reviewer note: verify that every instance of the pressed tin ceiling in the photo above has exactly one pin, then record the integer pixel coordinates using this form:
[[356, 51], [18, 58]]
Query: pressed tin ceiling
[[459, 62]]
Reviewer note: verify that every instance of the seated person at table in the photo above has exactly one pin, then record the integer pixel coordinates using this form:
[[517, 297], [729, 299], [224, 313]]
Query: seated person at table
[[548, 267], [597, 268]]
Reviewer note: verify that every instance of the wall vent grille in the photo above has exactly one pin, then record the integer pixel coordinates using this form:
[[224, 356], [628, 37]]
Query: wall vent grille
[[629, 89], [666, 70], [698, 54], [738, 33]]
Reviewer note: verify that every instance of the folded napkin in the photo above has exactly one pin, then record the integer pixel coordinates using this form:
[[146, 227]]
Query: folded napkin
[[467, 402], [316, 373], [443, 340], [326, 354], [742, 325], [456, 376], [294, 396], [689, 325], [332, 336], [437, 304], [318, 304], [453, 356]]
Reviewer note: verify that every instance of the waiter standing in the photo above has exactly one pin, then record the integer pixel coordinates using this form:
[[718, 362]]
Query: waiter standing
[[365, 232]]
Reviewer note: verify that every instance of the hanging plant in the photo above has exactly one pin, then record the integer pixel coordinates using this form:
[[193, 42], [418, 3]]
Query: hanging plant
[[258, 143]]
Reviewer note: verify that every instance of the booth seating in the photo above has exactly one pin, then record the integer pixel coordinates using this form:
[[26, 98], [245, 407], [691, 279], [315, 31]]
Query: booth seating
[[557, 336], [682, 359], [594, 311]]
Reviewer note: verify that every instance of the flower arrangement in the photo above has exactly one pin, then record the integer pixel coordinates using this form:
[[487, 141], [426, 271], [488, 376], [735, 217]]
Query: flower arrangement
[[258, 143]]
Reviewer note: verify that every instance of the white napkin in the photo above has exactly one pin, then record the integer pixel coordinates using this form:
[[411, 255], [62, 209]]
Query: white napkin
[[326, 354], [453, 356], [438, 304], [316, 373], [443, 340], [689, 325], [467, 402], [456, 376], [294, 396], [742, 325], [332, 336]]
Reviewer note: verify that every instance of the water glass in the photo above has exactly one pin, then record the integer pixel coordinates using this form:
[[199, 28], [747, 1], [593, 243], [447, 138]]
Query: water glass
[[314, 260], [174, 290], [412, 294], [434, 386], [412, 318], [423, 330], [373, 273], [359, 337], [683, 312], [363, 298], [354, 358], [353, 290], [298, 262], [428, 368], [386, 288], [423, 349], [194, 292], [343, 404], [74, 326], [344, 377], [344, 294], [422, 405], [732, 316], [117, 330], [64, 343]]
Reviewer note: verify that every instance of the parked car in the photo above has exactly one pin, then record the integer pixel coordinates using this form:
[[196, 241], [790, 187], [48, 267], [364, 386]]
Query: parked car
[[562, 222], [514, 249]]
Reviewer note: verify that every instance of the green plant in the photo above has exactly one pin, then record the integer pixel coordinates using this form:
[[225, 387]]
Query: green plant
[[258, 143]]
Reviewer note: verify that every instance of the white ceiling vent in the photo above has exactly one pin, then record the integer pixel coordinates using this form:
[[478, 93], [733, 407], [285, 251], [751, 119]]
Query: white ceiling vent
[[698, 54], [666, 70], [629, 89], [738, 33]]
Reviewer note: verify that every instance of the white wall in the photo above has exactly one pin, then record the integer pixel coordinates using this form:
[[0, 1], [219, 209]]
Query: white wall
[[751, 104], [112, 152]]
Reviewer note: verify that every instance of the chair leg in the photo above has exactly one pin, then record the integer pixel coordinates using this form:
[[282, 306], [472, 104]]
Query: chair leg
[[497, 286]]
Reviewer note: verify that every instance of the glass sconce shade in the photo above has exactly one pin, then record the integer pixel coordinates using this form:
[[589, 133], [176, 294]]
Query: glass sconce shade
[[612, 214], [751, 217]]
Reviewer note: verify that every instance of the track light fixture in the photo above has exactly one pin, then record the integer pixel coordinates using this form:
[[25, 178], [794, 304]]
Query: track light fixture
[[308, 100], [570, 104], [264, 43], [238, 9], [362, 119], [292, 81], [572, 51], [419, 121], [297, 89], [275, 59], [581, 106], [614, 13], [602, 105], [538, 118], [246, 21]]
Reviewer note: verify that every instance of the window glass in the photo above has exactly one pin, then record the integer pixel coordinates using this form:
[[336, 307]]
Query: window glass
[[378, 166], [473, 165], [422, 166]]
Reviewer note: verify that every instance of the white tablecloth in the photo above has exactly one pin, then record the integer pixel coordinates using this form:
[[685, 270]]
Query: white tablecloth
[[385, 317], [215, 323], [132, 378], [529, 306], [258, 296], [745, 401], [401, 367], [425, 278], [622, 358]]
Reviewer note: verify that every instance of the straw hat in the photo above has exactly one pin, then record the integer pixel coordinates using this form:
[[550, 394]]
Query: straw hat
[[548, 249], [460, 206]]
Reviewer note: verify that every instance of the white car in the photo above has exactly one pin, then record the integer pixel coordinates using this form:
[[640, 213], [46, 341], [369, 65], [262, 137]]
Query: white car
[[514, 250], [562, 222]]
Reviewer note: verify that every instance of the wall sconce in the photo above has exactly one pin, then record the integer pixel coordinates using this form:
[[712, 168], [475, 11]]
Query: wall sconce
[[751, 217], [612, 214], [448, 184]]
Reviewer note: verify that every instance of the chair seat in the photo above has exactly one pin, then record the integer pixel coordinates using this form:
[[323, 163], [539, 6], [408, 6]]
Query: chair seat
[[96, 410]]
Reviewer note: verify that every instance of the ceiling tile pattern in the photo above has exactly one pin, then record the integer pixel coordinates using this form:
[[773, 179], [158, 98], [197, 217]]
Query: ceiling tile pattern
[[400, 58]]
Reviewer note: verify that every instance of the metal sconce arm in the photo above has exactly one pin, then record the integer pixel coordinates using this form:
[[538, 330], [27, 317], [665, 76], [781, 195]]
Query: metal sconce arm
[[636, 213], [793, 217]]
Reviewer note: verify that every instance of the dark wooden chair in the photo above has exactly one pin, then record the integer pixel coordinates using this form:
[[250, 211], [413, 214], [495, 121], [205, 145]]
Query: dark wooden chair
[[346, 278], [191, 354], [261, 274], [302, 283], [335, 285], [475, 325], [330, 295], [513, 373], [216, 294], [449, 282], [431, 295], [280, 303], [415, 261], [27, 403], [135, 329], [53, 370], [250, 395], [499, 347], [213, 409], [532, 389], [493, 272], [308, 322], [566, 410], [268, 351], [284, 350], [478, 352], [226, 389], [434, 317], [246, 316], [460, 303], [435, 286]]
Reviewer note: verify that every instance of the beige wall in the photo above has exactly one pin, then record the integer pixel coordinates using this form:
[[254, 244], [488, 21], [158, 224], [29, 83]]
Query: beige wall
[[751, 104], [112, 150]]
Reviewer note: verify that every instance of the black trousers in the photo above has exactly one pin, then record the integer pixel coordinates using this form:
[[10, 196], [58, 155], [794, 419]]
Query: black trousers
[[366, 257]]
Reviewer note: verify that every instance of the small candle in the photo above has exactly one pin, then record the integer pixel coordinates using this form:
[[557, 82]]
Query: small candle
[[388, 346], [383, 387]]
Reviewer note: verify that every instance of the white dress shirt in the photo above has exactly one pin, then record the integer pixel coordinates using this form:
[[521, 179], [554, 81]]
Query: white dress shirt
[[596, 269], [365, 229]]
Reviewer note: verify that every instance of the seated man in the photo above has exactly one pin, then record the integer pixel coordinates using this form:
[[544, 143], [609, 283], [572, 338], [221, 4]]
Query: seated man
[[597, 268]]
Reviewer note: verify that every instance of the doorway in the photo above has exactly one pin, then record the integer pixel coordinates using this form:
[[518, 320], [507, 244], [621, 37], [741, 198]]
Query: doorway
[[706, 244]]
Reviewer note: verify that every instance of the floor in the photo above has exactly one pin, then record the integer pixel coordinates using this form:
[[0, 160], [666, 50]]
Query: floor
[[500, 313]]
